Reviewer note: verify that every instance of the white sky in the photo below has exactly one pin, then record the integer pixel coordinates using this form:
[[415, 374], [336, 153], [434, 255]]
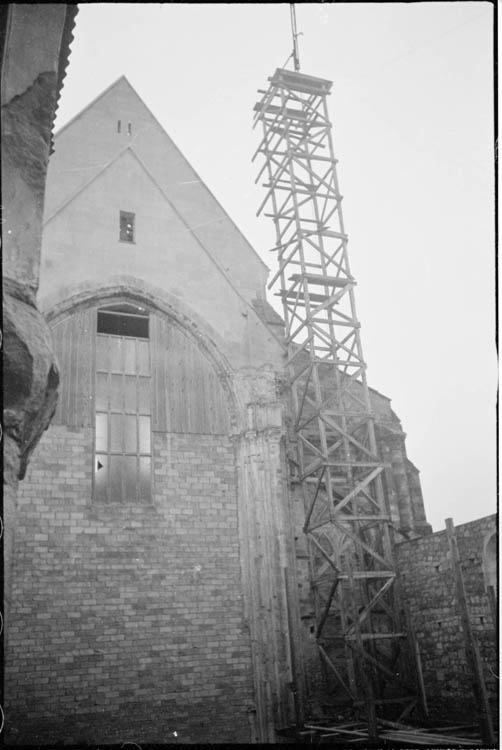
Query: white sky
[[412, 110]]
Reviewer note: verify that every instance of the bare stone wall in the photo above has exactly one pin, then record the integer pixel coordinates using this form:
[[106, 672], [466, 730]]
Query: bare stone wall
[[428, 585], [128, 622]]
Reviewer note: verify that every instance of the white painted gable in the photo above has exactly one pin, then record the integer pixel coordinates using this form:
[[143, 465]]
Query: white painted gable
[[91, 141], [184, 245]]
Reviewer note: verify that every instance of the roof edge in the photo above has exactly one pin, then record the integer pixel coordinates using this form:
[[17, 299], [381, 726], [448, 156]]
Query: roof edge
[[124, 78], [92, 103]]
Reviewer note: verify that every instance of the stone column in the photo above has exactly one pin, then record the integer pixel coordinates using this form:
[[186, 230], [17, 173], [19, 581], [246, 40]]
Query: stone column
[[36, 43], [420, 523], [396, 454], [267, 551]]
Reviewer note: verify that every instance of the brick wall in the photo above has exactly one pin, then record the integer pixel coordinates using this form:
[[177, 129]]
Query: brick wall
[[127, 622], [429, 589]]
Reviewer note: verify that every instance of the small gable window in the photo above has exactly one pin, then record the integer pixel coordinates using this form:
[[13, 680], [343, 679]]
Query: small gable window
[[126, 226]]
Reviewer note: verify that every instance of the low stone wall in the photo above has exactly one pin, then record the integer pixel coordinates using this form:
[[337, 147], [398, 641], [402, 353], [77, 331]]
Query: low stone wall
[[428, 585]]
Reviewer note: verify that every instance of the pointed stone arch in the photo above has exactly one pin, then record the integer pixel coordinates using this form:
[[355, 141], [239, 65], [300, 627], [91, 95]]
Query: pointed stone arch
[[87, 296]]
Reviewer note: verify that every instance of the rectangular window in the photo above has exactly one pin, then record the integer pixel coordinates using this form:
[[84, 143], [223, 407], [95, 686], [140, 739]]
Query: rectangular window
[[123, 324], [123, 409], [126, 226]]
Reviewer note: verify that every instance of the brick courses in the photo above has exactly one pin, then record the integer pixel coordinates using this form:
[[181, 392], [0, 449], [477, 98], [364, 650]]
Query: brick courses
[[428, 586], [127, 622]]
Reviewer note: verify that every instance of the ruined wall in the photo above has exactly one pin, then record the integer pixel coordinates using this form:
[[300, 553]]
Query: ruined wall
[[34, 55], [428, 586]]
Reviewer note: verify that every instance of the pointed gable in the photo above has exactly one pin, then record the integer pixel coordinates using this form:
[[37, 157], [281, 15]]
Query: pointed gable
[[84, 238], [92, 140]]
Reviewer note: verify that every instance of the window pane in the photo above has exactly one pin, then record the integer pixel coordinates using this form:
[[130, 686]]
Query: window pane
[[116, 479], [129, 355], [143, 357], [115, 353], [126, 233], [116, 393], [144, 395], [101, 432], [130, 438], [144, 434], [123, 406], [100, 478], [102, 353], [102, 391], [144, 479], [116, 433], [130, 398], [130, 472], [122, 325]]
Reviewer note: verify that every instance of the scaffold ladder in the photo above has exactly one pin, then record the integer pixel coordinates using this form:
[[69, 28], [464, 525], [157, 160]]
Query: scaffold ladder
[[359, 626]]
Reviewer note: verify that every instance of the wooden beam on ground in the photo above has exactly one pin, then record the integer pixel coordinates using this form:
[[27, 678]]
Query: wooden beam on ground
[[428, 739], [332, 731]]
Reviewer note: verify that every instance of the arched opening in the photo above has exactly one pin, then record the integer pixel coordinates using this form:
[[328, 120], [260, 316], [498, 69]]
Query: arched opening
[[164, 311]]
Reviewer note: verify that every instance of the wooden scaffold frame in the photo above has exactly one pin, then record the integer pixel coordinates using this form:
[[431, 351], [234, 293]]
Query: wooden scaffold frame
[[360, 628]]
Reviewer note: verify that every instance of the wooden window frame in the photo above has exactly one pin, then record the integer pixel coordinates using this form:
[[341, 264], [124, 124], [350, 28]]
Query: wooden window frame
[[141, 375]]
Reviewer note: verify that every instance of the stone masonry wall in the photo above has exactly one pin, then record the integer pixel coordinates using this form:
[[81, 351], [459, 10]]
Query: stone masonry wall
[[128, 621], [428, 586]]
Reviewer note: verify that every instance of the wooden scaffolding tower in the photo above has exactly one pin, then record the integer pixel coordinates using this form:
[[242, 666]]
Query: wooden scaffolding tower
[[359, 623]]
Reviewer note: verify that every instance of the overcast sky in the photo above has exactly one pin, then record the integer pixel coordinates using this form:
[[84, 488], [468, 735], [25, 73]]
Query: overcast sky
[[412, 112]]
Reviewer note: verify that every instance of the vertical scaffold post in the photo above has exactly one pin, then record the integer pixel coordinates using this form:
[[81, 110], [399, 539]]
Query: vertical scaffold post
[[347, 520]]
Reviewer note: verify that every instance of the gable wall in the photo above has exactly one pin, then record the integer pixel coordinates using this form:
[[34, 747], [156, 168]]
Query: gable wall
[[81, 246], [91, 141]]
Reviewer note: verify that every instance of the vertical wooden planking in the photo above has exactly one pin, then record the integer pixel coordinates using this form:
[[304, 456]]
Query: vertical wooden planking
[[84, 376], [72, 365], [92, 322], [186, 407], [158, 347], [178, 411], [187, 395], [74, 344]]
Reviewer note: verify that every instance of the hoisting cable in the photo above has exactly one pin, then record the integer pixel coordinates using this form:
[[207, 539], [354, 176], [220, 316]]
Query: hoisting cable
[[295, 53]]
